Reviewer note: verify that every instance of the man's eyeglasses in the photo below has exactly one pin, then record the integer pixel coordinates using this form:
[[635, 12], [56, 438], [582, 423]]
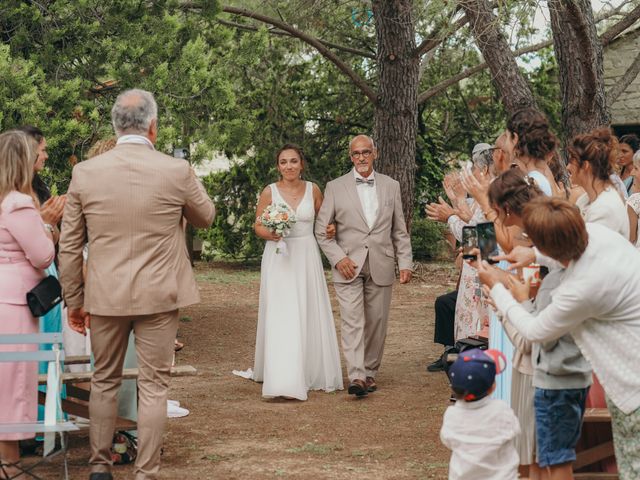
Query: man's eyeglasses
[[361, 154]]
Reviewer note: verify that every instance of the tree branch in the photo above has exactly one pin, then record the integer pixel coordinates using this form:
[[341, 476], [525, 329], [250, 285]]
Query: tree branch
[[434, 38], [628, 20], [335, 46], [314, 42], [607, 37], [626, 79]]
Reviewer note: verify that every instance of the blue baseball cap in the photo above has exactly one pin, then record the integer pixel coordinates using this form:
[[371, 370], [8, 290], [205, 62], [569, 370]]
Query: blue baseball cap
[[474, 372]]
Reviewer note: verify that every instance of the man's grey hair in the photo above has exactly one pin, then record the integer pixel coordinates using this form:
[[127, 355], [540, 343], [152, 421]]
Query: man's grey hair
[[482, 156], [133, 112], [373, 144]]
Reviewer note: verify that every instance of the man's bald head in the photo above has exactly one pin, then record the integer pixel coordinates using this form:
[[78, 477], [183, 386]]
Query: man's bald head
[[359, 138], [134, 112]]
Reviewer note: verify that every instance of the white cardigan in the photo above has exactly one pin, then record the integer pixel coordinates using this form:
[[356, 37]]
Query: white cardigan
[[598, 302]]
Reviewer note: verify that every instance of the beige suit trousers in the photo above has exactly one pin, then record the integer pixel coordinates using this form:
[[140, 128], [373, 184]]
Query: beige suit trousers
[[154, 340], [364, 308]]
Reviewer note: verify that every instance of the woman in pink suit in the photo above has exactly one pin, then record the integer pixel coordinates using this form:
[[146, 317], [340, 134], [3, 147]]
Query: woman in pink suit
[[26, 248]]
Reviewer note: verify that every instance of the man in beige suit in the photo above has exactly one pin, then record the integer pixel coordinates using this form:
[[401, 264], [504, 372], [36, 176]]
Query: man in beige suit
[[129, 203], [370, 234]]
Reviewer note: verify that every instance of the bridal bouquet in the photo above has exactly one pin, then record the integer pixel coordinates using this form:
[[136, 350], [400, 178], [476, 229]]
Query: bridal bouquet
[[279, 218]]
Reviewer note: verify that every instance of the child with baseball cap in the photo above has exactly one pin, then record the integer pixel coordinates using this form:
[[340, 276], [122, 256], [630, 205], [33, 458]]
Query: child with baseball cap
[[480, 431]]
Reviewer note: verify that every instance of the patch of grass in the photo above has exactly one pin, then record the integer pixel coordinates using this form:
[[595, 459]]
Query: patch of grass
[[227, 277], [185, 319], [317, 448]]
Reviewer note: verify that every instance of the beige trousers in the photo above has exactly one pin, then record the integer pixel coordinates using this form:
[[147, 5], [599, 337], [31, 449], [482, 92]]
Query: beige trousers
[[154, 340], [364, 308]]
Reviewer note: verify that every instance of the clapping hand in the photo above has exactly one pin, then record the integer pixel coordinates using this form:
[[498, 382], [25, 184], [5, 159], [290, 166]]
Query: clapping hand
[[477, 184], [440, 212], [51, 210], [453, 187]]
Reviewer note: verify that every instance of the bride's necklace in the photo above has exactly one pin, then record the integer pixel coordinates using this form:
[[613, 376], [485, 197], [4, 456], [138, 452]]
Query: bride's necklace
[[295, 193]]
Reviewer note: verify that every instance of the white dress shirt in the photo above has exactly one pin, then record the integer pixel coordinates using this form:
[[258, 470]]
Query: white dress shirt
[[139, 139], [598, 302], [368, 198], [482, 438]]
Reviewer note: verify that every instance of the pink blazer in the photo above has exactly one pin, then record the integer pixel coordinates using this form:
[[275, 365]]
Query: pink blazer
[[25, 248]]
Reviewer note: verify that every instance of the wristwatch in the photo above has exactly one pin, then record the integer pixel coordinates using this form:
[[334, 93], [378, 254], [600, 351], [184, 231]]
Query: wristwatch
[[48, 227]]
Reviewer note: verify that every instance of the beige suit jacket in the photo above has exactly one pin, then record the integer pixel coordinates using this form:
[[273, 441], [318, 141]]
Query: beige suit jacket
[[387, 239], [129, 202]]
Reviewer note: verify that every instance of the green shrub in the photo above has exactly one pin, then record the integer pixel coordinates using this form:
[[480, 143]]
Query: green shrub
[[427, 239]]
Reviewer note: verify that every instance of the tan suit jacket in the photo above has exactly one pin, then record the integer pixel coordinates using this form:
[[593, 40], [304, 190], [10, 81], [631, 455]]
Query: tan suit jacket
[[387, 239], [129, 202]]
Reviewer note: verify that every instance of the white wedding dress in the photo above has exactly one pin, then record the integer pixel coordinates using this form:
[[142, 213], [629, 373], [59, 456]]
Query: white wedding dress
[[296, 343]]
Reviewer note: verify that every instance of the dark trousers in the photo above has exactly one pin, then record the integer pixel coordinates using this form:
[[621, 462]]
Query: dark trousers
[[445, 307]]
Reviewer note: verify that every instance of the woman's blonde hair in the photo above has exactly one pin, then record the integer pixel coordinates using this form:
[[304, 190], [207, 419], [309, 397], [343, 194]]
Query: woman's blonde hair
[[101, 146], [18, 152]]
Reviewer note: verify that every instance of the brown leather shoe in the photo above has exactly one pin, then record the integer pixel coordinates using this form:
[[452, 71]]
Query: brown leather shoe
[[358, 388], [371, 384]]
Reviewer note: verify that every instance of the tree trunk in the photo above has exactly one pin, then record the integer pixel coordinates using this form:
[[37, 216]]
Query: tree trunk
[[579, 55], [396, 110], [511, 84]]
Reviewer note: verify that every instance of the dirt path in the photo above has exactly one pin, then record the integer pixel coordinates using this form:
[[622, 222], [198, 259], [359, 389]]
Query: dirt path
[[232, 433]]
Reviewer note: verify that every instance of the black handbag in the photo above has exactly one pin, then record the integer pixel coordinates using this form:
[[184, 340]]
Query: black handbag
[[44, 296], [451, 353]]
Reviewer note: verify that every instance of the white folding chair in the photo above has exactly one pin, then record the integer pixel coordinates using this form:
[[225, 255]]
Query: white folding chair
[[53, 421]]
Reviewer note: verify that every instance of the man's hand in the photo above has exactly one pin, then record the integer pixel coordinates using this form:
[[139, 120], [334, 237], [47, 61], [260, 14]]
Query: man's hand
[[51, 210], [79, 320], [405, 276], [518, 257], [347, 268], [331, 231]]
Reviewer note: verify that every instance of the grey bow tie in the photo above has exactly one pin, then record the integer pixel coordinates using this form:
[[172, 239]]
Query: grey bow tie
[[360, 181]]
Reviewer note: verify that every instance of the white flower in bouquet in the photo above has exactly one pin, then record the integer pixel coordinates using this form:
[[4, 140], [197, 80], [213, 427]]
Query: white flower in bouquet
[[278, 218]]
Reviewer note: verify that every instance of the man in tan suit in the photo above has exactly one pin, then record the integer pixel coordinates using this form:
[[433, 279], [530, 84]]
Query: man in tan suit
[[129, 203], [370, 234]]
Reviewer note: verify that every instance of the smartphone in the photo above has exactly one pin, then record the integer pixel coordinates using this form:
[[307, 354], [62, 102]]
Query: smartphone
[[487, 242], [469, 242]]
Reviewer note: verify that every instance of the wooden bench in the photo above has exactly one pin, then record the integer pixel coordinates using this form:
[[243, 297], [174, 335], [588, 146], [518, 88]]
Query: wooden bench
[[598, 452], [127, 374], [595, 476], [77, 401]]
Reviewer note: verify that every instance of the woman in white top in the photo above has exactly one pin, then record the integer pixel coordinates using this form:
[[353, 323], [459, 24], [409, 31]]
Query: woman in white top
[[590, 168], [629, 145], [633, 203], [598, 302], [296, 341], [529, 143]]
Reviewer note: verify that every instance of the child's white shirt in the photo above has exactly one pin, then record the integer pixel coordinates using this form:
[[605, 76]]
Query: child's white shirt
[[482, 438]]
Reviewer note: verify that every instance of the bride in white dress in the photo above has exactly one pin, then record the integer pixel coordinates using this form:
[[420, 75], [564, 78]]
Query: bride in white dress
[[296, 343]]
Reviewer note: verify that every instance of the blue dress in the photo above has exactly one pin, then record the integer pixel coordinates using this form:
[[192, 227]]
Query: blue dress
[[49, 323], [499, 340]]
